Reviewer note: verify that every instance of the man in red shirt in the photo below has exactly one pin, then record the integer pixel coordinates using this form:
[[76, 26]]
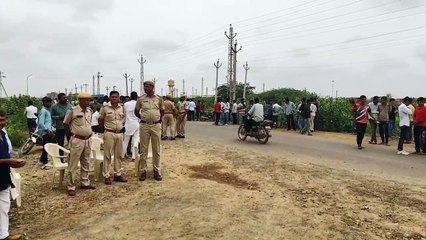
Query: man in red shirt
[[360, 118], [420, 125], [217, 110]]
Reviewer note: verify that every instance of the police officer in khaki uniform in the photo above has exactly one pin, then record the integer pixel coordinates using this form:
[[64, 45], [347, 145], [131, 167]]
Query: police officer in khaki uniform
[[182, 109], [149, 108], [169, 118], [77, 124], [111, 117]]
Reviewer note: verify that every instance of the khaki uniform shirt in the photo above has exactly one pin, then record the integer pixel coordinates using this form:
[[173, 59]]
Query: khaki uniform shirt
[[182, 106], [113, 117], [149, 108], [79, 121], [169, 107]]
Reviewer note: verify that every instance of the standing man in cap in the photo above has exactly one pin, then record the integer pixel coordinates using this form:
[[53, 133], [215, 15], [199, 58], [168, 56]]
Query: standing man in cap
[[169, 118], [149, 108], [111, 119], [77, 124], [182, 109]]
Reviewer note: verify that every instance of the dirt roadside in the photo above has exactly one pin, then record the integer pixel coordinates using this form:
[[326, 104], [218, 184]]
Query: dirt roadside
[[215, 192]]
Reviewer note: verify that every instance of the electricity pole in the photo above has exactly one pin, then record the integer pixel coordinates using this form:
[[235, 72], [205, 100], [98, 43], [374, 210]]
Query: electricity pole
[[217, 66], [81, 88], [332, 88], [231, 69], [141, 62], [1, 85], [234, 77], [76, 89], [107, 88], [99, 84], [202, 86], [131, 84], [183, 86], [263, 87], [93, 85], [85, 86], [246, 67], [127, 88]]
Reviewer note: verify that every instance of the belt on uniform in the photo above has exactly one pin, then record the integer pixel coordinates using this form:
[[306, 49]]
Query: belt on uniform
[[81, 137], [142, 121], [113, 131]]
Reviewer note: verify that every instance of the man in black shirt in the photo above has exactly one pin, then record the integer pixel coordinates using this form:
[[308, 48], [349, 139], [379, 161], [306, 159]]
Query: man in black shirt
[[305, 112], [5, 181]]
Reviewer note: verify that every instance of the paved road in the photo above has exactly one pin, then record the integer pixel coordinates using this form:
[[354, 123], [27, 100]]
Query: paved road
[[373, 160]]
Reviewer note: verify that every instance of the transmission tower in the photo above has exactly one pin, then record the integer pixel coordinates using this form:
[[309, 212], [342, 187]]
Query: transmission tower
[[126, 76], [231, 69], [235, 50], [141, 62], [99, 84]]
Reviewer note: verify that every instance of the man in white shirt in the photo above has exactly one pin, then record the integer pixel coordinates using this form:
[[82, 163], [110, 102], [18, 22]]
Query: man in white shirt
[[95, 124], [234, 112], [313, 114], [256, 113], [276, 108], [31, 114], [191, 109], [373, 117], [131, 125], [404, 124], [226, 108]]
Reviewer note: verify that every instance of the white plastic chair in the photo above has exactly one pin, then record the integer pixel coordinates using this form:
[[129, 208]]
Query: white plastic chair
[[16, 179], [97, 156], [52, 150]]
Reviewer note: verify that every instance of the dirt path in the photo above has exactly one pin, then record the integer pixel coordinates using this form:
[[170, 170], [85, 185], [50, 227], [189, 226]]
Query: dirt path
[[215, 192]]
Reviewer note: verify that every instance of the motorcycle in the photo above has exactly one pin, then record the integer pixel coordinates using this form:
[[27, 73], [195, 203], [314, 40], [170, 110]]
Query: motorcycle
[[34, 139], [260, 131]]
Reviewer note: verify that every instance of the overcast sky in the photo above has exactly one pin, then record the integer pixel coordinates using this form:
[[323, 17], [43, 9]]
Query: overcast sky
[[370, 47]]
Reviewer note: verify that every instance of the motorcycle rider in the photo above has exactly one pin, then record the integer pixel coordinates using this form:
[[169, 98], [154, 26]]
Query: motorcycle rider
[[256, 113]]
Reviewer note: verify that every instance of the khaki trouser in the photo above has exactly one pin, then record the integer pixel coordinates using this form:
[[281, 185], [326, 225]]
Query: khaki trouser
[[150, 132], [311, 123], [113, 144], [80, 152], [180, 124], [168, 121]]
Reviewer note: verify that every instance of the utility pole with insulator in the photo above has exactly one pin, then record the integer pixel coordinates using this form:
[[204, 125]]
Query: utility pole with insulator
[[231, 69], [99, 83], [263, 87], [81, 88], [246, 67], [107, 88], [126, 76], [93, 85], [141, 62], [183, 87], [2, 89], [76, 89], [235, 50], [217, 65], [202, 86], [131, 84], [85, 86]]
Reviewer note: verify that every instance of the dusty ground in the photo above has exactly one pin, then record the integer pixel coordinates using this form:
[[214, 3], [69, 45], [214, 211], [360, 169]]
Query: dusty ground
[[216, 192]]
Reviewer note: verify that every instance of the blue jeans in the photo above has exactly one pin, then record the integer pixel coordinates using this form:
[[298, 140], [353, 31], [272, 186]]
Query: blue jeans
[[391, 127], [301, 123], [241, 118], [226, 118]]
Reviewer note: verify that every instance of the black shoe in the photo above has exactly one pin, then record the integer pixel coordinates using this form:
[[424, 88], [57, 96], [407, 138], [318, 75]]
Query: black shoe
[[157, 176], [143, 176], [164, 138], [173, 138]]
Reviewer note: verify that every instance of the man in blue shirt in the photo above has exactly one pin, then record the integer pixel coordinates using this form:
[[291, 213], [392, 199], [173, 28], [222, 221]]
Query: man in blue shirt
[[6, 162], [45, 128]]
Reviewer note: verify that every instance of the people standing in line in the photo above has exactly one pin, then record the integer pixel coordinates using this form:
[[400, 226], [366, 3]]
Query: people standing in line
[[198, 106], [169, 119], [31, 114], [7, 189], [234, 112], [313, 115], [77, 124], [289, 110], [392, 116], [217, 111], [45, 128], [150, 110], [301, 119], [276, 108], [360, 116], [191, 110], [383, 119], [131, 126], [58, 114], [95, 124], [182, 112], [404, 124], [111, 118], [241, 111], [409, 137], [420, 126], [373, 114], [306, 114]]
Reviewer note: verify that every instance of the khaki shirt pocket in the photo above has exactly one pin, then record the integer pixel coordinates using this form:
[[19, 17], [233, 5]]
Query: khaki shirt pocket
[[79, 120]]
